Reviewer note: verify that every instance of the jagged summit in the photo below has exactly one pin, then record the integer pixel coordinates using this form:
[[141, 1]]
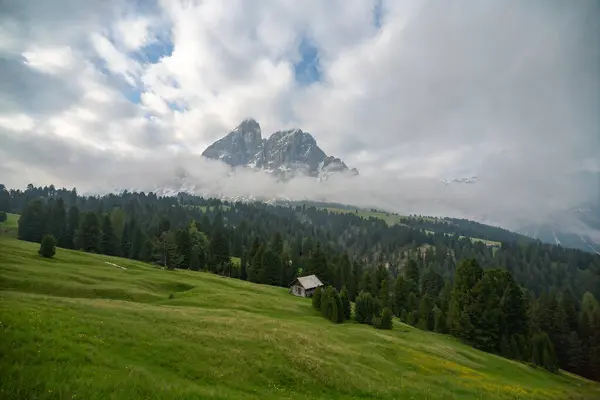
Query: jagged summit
[[285, 153]]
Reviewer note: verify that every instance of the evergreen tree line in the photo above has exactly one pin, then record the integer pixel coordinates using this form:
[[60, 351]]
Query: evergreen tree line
[[417, 277]]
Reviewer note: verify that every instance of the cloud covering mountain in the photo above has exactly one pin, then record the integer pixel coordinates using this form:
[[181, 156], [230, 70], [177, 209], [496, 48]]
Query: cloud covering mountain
[[123, 93]]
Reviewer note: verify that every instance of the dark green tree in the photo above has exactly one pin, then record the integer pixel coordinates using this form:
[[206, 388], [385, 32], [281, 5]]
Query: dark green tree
[[345, 303], [426, 317], [384, 294], [318, 265], [411, 272], [331, 307], [72, 226], [271, 267], [108, 241], [400, 298], [364, 309], [57, 223], [32, 224], [183, 243], [89, 233], [468, 273], [218, 251], [316, 298], [126, 240], [48, 246], [383, 321]]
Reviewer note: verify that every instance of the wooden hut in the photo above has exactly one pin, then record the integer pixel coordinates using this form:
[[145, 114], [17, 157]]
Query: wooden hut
[[305, 286]]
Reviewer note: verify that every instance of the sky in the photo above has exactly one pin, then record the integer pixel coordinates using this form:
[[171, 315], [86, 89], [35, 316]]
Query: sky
[[124, 93]]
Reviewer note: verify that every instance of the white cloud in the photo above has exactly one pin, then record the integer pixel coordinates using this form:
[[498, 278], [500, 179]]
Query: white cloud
[[502, 89], [134, 33], [17, 123], [116, 61]]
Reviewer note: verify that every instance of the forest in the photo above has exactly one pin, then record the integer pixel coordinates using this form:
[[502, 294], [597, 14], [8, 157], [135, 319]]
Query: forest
[[523, 300]]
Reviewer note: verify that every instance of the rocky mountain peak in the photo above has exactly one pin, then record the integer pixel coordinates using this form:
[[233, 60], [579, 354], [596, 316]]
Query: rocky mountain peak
[[285, 153]]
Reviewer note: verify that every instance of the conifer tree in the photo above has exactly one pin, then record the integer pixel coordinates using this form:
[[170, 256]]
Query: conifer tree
[[364, 308], [90, 233], [345, 302], [108, 241], [48, 246], [57, 223], [72, 226]]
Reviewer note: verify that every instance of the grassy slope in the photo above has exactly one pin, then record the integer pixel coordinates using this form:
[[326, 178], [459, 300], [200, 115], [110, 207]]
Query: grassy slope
[[75, 327], [389, 218], [10, 226], [392, 219]]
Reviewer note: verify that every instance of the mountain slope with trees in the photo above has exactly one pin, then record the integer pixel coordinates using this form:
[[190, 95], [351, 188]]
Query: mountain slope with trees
[[524, 300]]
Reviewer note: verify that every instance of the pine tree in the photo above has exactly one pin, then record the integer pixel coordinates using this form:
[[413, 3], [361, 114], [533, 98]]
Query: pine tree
[[383, 321], [243, 270], [366, 283], [426, 320], [72, 226], [255, 272], [57, 223], [90, 233], [468, 273], [218, 251], [318, 265], [400, 299], [513, 309], [411, 272], [137, 241], [384, 293], [331, 306], [48, 246], [364, 309], [412, 303], [316, 298], [277, 244], [126, 240], [345, 302], [108, 241], [574, 353], [594, 346], [32, 224], [439, 321], [432, 283], [165, 251], [271, 267], [183, 242]]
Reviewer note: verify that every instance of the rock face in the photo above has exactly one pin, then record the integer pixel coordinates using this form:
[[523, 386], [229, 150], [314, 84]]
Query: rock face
[[284, 153]]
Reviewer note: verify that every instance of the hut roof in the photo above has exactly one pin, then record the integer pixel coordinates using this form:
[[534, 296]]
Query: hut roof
[[309, 282]]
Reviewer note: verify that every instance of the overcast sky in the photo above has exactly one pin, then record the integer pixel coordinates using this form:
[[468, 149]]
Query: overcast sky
[[121, 93]]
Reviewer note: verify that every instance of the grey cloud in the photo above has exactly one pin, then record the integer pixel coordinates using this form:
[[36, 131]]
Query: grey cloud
[[504, 89], [25, 90]]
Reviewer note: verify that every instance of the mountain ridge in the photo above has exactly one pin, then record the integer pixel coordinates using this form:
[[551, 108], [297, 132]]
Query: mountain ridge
[[285, 153]]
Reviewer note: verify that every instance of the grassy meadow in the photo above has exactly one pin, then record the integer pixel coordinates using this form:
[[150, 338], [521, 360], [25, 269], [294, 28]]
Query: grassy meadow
[[84, 326], [389, 218], [10, 226]]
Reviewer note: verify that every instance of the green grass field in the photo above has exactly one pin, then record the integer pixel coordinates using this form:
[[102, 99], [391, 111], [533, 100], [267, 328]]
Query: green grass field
[[393, 219], [389, 218], [10, 226], [80, 326]]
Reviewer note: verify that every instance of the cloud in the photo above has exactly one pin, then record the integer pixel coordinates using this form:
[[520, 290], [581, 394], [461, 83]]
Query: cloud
[[408, 92]]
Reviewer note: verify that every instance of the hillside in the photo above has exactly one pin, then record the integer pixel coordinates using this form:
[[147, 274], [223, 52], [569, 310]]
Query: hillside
[[10, 226], [85, 326]]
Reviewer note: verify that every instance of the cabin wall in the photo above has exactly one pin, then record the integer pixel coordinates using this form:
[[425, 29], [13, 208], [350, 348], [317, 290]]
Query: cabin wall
[[298, 290]]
